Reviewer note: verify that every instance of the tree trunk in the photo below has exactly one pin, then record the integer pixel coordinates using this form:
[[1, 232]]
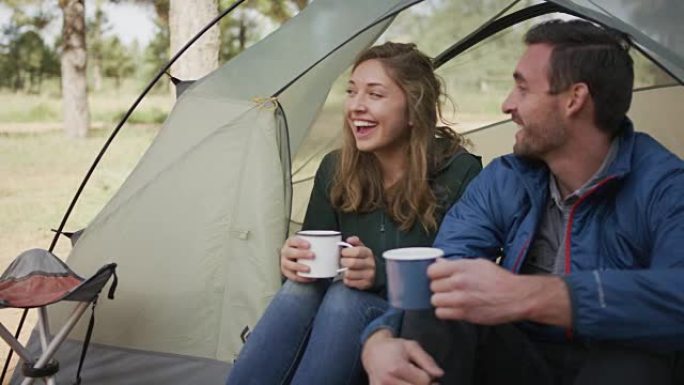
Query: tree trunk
[[97, 74], [74, 61], [186, 18], [242, 34]]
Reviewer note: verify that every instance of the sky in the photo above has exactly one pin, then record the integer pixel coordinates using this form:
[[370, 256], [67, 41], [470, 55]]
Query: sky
[[130, 22]]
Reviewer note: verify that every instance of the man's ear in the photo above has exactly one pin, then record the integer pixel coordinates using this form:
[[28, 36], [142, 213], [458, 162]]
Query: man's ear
[[578, 98]]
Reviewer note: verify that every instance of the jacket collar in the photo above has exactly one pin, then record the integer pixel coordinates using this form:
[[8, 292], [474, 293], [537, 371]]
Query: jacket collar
[[622, 164]]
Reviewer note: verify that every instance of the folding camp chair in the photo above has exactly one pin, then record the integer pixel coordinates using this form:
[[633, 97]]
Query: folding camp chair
[[38, 278]]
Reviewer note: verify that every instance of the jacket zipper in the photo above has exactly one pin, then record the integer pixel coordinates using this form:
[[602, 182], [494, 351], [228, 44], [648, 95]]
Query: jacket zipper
[[571, 219], [518, 259], [568, 233]]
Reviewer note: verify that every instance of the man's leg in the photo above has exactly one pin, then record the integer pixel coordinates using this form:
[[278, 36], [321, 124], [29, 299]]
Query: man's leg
[[471, 354], [274, 346], [626, 366], [679, 369], [333, 353], [452, 345]]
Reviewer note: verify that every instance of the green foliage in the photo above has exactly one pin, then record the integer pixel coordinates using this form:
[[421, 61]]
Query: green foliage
[[245, 26], [25, 59], [117, 63], [156, 55]]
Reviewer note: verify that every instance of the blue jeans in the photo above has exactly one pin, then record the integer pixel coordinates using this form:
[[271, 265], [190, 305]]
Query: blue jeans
[[309, 334]]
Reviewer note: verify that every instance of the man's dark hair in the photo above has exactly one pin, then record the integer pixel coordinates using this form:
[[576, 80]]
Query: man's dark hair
[[599, 57]]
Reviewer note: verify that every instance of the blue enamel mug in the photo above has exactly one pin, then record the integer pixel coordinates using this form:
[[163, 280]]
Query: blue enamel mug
[[408, 286]]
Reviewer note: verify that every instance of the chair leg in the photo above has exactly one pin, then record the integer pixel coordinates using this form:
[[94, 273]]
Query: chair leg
[[43, 328], [59, 338], [16, 346]]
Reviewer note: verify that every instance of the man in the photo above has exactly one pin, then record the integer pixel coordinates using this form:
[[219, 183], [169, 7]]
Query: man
[[586, 220]]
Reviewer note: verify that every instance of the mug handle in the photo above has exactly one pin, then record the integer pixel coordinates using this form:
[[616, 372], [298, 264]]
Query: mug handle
[[343, 244]]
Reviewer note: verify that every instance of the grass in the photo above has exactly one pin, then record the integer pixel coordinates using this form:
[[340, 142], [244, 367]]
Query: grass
[[40, 173], [107, 106]]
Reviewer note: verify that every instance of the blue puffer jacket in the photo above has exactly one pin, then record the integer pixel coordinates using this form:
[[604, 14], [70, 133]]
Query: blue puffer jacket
[[624, 247], [624, 241]]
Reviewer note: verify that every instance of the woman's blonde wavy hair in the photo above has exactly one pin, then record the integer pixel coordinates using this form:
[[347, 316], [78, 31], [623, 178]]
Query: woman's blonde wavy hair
[[358, 182]]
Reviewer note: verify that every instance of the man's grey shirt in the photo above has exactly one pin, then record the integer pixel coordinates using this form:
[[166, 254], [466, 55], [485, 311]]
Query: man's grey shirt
[[546, 255]]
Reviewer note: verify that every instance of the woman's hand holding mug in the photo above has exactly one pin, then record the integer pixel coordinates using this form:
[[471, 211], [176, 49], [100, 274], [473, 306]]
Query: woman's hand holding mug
[[295, 248], [360, 264]]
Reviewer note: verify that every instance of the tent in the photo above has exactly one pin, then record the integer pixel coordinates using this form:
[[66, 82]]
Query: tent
[[196, 228]]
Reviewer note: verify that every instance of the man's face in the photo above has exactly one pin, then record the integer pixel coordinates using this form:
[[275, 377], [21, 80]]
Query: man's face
[[533, 108]]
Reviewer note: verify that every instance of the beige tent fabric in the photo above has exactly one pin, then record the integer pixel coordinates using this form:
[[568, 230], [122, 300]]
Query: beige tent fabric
[[198, 213]]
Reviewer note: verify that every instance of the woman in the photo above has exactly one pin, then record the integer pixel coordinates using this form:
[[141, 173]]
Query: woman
[[388, 187]]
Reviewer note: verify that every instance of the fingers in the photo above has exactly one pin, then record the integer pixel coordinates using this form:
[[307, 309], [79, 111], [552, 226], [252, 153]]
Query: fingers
[[453, 314], [354, 240], [411, 371], [442, 268], [355, 275], [422, 360], [361, 284], [448, 283], [295, 248], [390, 360], [449, 276], [291, 268], [290, 272], [358, 263], [410, 374], [360, 266]]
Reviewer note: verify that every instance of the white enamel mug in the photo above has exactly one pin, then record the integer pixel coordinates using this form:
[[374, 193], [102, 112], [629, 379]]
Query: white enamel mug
[[326, 246]]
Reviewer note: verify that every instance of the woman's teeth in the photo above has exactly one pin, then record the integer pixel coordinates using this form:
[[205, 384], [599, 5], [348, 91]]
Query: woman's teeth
[[362, 125]]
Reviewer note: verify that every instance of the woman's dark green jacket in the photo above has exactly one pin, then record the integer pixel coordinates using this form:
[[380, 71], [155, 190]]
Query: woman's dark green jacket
[[375, 229]]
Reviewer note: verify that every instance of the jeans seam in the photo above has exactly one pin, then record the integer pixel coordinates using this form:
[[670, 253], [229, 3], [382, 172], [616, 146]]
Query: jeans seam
[[298, 354]]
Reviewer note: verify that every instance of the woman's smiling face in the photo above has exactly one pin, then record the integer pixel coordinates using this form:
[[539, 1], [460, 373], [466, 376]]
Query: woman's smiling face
[[376, 110]]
